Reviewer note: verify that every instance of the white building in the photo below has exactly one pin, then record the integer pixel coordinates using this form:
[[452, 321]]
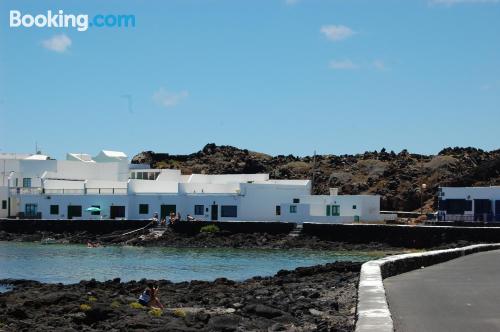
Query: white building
[[38, 187], [469, 203]]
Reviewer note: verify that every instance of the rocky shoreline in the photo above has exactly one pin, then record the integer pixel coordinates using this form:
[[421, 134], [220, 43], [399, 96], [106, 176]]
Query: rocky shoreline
[[216, 240], [202, 240], [318, 298]]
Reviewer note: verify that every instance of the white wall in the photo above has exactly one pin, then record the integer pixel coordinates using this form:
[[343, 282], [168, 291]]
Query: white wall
[[209, 188], [154, 202], [259, 201], [227, 178], [152, 187], [4, 197], [492, 193], [313, 209], [104, 201]]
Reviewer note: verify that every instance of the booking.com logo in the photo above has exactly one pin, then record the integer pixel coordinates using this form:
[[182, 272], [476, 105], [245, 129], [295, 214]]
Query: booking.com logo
[[59, 19]]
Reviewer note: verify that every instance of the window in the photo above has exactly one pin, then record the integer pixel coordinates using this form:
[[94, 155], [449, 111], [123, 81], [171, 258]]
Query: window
[[278, 210], [132, 175], [96, 213], [143, 208], [27, 182], [354, 207], [54, 209], [139, 175], [454, 206], [328, 210], [151, 176], [296, 201], [4, 204], [335, 210], [198, 209], [293, 208], [229, 211], [30, 210]]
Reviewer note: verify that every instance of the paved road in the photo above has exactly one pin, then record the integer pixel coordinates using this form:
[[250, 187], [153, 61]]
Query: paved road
[[459, 295]]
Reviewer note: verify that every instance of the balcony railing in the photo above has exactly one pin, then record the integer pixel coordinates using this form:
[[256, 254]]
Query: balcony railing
[[88, 191], [26, 191]]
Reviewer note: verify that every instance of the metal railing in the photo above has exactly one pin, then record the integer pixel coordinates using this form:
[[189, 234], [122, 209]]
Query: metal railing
[[484, 217]]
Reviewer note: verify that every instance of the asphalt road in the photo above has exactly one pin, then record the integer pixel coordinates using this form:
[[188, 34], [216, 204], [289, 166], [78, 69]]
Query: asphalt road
[[459, 295]]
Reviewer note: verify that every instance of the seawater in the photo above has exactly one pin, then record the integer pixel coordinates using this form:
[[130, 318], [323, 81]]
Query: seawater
[[72, 263]]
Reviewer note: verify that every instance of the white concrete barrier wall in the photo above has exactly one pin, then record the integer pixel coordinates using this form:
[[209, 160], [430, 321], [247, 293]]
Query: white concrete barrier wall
[[373, 312]]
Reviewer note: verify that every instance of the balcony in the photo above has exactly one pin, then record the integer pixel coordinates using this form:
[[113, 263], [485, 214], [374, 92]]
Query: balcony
[[88, 191], [26, 191]]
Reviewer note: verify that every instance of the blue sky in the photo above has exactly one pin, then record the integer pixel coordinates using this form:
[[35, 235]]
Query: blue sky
[[276, 76]]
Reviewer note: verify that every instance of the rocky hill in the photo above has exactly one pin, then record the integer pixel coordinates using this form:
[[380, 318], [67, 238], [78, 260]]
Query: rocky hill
[[394, 176]]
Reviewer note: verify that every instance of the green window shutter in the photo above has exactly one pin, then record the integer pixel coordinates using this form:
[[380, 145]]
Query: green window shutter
[[335, 210], [328, 210]]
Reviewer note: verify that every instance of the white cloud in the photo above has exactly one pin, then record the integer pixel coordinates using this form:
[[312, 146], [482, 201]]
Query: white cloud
[[379, 64], [336, 32], [345, 64], [456, 2], [58, 43], [169, 99]]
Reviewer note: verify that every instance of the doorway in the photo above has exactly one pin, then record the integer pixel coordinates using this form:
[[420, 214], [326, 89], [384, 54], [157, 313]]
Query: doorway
[[74, 211], [116, 211], [166, 209], [215, 212]]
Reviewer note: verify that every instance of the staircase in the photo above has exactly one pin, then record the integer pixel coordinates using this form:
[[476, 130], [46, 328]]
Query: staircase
[[296, 231], [157, 231]]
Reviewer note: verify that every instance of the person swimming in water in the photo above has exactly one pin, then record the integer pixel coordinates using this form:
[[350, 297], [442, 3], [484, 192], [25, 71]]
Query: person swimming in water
[[150, 297]]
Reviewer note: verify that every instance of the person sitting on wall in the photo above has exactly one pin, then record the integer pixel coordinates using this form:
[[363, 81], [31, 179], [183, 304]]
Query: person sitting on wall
[[163, 222], [150, 297], [172, 218], [155, 219]]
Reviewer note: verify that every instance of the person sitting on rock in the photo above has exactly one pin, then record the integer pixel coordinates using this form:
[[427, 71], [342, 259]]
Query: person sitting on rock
[[150, 296]]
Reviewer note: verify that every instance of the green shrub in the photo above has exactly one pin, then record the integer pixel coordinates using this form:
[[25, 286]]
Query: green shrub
[[136, 305], [156, 312], [92, 299], [179, 313], [85, 307], [209, 229]]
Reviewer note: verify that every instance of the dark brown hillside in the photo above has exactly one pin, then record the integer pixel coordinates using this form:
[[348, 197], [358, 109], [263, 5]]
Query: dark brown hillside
[[394, 176]]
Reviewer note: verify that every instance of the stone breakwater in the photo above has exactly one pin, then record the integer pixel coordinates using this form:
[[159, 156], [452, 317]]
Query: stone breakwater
[[318, 298]]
